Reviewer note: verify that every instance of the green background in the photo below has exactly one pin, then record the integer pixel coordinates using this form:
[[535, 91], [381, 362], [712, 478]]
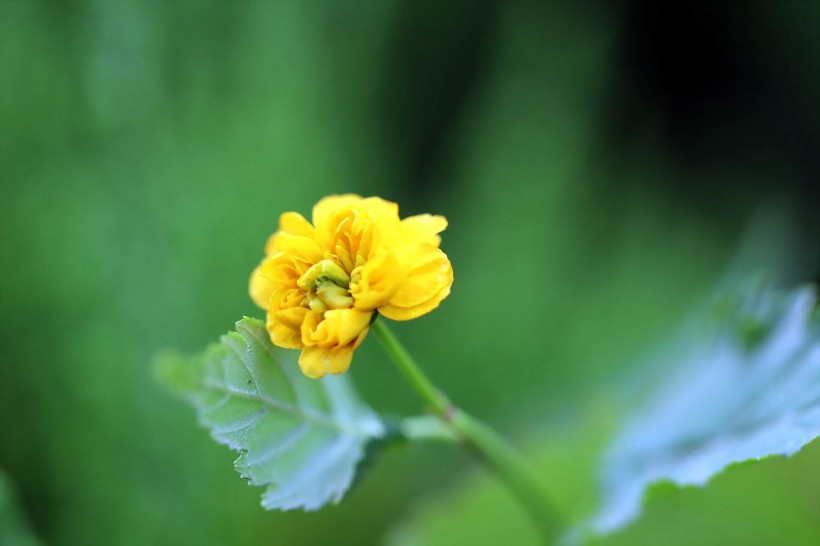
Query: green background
[[597, 177]]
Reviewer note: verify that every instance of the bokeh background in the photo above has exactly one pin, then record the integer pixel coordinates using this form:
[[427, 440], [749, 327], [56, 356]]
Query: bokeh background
[[601, 165]]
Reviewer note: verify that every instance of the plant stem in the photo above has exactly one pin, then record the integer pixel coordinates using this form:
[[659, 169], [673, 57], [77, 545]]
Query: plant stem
[[427, 427], [480, 439]]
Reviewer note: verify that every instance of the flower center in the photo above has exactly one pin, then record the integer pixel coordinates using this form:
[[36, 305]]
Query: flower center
[[327, 287]]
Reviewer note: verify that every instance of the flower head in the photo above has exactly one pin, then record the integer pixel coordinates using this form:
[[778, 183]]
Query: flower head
[[321, 283]]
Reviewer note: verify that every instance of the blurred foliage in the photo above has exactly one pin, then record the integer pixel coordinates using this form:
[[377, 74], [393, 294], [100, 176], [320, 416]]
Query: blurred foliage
[[147, 149], [14, 529], [775, 500], [745, 385], [721, 419]]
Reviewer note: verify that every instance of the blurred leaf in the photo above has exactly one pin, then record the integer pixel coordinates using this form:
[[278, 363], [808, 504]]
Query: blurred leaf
[[747, 386], [755, 503], [14, 529], [301, 437]]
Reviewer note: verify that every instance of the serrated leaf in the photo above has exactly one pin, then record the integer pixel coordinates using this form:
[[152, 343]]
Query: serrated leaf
[[773, 501], [746, 386], [300, 437]]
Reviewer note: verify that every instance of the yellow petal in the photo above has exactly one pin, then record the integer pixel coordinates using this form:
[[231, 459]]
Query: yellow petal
[[386, 226], [284, 327], [336, 328], [284, 298], [295, 224], [291, 224], [409, 313], [374, 283], [380, 209], [425, 285], [315, 362], [304, 248], [359, 226], [261, 286], [284, 270], [309, 326], [331, 204], [423, 228], [376, 206], [277, 272]]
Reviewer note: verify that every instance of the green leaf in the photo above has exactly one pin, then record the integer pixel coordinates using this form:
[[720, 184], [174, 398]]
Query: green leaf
[[743, 384], [300, 437], [775, 500]]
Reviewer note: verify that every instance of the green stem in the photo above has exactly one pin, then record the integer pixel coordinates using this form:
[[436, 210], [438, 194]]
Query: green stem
[[483, 441], [427, 427]]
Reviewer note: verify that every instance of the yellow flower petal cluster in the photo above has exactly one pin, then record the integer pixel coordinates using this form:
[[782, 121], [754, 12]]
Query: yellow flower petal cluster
[[321, 283]]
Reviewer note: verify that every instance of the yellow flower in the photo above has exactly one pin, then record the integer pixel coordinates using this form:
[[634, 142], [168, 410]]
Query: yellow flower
[[321, 283]]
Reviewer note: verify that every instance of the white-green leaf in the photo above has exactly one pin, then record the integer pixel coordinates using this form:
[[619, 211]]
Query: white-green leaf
[[745, 385], [300, 437]]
